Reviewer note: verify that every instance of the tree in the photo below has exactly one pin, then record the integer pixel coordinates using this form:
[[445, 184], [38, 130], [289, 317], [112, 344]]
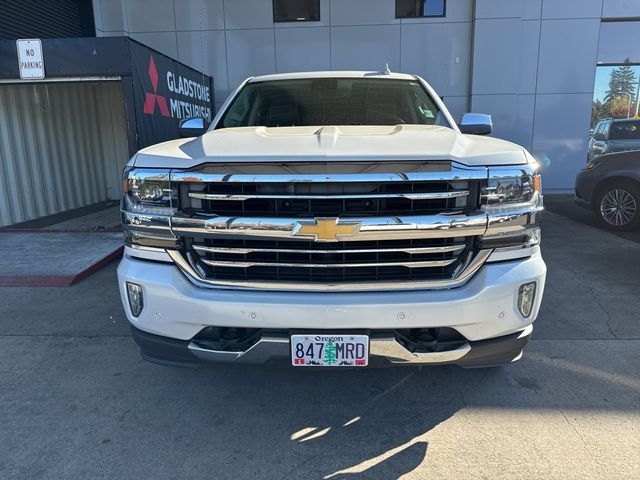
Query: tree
[[622, 86], [330, 353], [598, 112], [619, 108]]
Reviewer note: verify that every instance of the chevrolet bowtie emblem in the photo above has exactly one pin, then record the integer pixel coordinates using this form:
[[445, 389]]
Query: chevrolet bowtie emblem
[[325, 229]]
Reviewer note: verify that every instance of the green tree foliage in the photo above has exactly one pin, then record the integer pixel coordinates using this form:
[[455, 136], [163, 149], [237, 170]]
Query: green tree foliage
[[622, 84], [620, 99], [620, 108], [330, 353], [598, 112]]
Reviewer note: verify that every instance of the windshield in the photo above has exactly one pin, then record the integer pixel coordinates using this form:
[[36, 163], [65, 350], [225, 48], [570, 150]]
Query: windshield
[[627, 130], [332, 101]]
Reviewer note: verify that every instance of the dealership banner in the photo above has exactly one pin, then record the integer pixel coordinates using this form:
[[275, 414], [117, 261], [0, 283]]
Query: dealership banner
[[166, 91]]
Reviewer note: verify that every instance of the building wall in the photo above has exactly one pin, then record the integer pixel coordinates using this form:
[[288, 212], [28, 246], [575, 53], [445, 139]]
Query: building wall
[[65, 147], [534, 71], [235, 39], [529, 63]]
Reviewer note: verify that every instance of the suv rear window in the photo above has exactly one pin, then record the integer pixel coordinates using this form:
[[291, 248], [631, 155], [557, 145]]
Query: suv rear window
[[332, 101], [626, 130]]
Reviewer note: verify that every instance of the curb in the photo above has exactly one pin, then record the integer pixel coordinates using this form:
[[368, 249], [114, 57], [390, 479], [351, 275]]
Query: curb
[[60, 280]]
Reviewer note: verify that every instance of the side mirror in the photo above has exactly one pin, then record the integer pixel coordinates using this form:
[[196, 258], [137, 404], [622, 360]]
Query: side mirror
[[192, 127], [476, 123]]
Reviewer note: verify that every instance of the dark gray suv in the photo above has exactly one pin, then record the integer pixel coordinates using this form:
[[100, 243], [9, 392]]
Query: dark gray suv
[[610, 185], [614, 135]]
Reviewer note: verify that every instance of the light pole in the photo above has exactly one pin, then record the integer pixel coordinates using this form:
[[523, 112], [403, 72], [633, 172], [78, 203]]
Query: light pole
[[638, 97]]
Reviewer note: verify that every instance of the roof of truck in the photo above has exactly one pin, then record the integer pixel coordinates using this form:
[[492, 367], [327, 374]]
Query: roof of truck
[[332, 74]]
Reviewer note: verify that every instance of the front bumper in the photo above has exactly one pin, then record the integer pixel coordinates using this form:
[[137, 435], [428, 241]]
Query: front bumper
[[484, 309], [586, 180], [582, 203], [384, 350]]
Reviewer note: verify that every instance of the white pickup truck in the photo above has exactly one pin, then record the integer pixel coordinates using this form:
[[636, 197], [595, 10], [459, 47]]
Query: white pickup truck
[[333, 219]]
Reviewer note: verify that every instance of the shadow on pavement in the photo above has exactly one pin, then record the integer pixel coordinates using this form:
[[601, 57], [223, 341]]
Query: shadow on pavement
[[94, 406]]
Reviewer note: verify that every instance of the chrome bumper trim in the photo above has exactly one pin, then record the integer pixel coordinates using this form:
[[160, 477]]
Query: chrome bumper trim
[[146, 222], [260, 352], [270, 347], [393, 351], [526, 332], [513, 221], [466, 270], [147, 253]]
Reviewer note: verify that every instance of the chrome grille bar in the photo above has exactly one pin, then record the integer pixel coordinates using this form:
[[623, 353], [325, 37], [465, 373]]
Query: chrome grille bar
[[467, 269], [371, 228], [410, 196], [411, 250], [332, 172], [417, 264]]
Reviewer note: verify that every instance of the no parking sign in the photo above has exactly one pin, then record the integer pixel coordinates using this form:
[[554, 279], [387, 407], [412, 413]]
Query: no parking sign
[[30, 60]]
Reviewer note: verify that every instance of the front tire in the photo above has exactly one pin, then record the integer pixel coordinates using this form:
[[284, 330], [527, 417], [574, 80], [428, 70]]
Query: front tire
[[617, 206]]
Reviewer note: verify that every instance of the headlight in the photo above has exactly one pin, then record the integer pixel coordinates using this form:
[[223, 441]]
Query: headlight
[[147, 206], [148, 191], [513, 202], [507, 188]]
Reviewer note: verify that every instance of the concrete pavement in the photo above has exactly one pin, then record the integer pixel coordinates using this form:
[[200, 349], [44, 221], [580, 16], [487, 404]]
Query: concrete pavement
[[76, 401], [565, 205], [52, 259]]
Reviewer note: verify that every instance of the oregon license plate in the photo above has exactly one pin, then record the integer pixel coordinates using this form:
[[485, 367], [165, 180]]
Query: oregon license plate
[[330, 350]]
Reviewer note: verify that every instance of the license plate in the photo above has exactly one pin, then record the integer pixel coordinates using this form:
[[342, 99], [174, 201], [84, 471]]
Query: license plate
[[330, 350]]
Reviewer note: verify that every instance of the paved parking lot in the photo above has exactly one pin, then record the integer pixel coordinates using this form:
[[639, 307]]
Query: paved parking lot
[[566, 206], [76, 401]]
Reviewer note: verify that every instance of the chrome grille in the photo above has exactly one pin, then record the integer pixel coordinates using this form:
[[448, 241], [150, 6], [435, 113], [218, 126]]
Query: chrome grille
[[247, 224], [334, 199], [316, 262]]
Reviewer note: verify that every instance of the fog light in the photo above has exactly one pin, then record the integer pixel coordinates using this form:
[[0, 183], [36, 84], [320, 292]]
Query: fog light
[[526, 295], [134, 292]]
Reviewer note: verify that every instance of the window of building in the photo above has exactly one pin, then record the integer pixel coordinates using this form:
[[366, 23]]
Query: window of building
[[296, 10], [420, 8], [615, 94]]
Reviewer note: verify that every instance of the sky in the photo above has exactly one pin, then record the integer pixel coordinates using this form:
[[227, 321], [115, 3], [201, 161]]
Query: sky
[[602, 80]]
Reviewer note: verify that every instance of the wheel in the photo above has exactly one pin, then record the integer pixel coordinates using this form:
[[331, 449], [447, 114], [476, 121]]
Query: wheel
[[617, 206]]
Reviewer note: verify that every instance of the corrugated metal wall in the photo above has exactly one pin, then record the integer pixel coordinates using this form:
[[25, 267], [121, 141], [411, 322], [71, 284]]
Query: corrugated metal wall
[[62, 146], [46, 19]]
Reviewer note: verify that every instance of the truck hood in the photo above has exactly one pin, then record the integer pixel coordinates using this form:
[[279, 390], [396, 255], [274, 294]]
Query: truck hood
[[343, 143]]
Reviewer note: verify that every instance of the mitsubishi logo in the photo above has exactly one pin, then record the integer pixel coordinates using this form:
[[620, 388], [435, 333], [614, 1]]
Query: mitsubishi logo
[[150, 99], [325, 229]]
